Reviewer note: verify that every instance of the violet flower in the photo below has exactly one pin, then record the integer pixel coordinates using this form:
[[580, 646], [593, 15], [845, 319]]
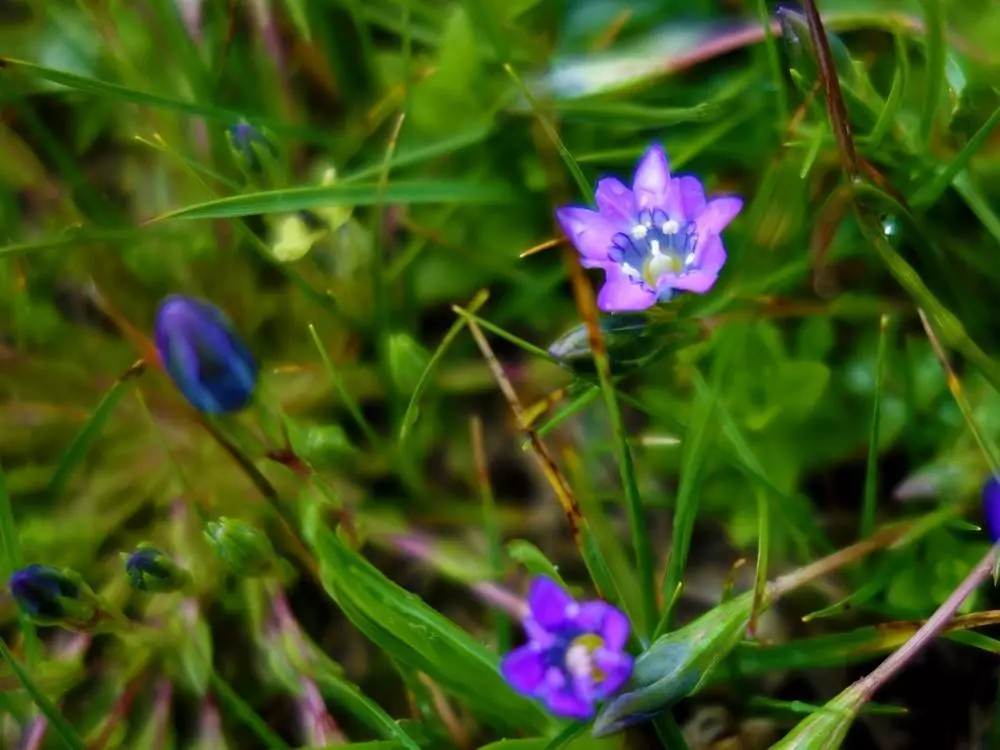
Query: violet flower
[[659, 237], [991, 508], [575, 652]]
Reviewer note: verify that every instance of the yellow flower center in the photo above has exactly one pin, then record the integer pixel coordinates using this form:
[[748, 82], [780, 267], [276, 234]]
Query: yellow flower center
[[580, 657]]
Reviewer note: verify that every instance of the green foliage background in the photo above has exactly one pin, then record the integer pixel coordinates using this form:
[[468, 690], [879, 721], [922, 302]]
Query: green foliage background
[[795, 409]]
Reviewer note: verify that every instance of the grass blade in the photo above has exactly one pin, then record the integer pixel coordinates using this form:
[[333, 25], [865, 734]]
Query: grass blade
[[870, 501], [242, 710], [88, 433], [56, 720], [341, 194]]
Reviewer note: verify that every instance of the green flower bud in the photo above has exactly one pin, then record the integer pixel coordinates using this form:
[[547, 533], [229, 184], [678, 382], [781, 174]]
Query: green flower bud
[[244, 549], [676, 665], [826, 729], [151, 570]]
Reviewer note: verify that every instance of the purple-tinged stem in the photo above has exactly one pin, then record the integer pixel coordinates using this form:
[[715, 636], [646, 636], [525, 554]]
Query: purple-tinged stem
[[935, 624]]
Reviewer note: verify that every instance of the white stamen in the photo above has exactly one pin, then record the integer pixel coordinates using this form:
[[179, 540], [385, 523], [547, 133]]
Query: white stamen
[[578, 661], [654, 247], [639, 231], [671, 227], [689, 259], [629, 271]]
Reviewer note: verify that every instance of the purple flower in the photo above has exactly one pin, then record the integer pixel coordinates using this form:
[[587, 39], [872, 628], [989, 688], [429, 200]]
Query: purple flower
[[204, 357], [659, 237], [574, 655], [991, 508]]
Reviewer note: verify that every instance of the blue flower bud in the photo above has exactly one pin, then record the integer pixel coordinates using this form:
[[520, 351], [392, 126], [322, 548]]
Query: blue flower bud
[[991, 508], [676, 665], [52, 597], [148, 569], [249, 145], [244, 549], [203, 356]]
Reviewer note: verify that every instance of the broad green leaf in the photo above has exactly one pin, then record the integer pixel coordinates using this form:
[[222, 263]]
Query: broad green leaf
[[417, 635]]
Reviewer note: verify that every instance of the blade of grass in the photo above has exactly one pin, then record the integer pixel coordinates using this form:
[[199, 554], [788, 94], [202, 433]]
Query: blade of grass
[[134, 96], [290, 200], [763, 557], [410, 415], [695, 451], [581, 180], [242, 711], [491, 526], [345, 395], [774, 63], [381, 313], [931, 191], [56, 720], [937, 60], [82, 441], [985, 443], [870, 501]]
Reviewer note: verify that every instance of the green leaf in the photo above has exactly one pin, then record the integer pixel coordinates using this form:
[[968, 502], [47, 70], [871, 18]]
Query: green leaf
[[826, 729], [533, 559], [343, 194], [418, 636]]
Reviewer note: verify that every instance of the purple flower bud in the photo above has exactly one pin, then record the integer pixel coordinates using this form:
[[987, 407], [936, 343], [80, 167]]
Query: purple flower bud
[[203, 356], [991, 508], [50, 596], [659, 237], [575, 652]]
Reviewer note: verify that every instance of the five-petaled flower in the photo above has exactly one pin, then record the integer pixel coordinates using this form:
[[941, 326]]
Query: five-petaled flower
[[207, 361], [659, 237], [575, 652]]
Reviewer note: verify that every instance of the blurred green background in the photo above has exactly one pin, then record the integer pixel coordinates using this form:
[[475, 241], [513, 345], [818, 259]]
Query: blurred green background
[[402, 161]]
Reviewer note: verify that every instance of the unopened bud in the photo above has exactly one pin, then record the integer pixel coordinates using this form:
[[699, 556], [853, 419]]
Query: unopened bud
[[244, 549], [151, 570]]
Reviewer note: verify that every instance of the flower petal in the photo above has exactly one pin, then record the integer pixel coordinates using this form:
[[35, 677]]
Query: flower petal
[[614, 200], [620, 293], [604, 620], [568, 704], [589, 231], [616, 667], [717, 214], [524, 669], [696, 280], [711, 254], [549, 603], [692, 195], [652, 179]]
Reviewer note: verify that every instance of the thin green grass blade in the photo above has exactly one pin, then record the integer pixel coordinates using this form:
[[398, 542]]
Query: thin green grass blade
[[693, 463], [931, 191], [134, 96], [869, 504], [900, 78], [57, 721], [82, 441], [290, 200], [352, 700], [83, 237], [774, 63], [345, 395], [937, 60], [243, 711], [410, 414]]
